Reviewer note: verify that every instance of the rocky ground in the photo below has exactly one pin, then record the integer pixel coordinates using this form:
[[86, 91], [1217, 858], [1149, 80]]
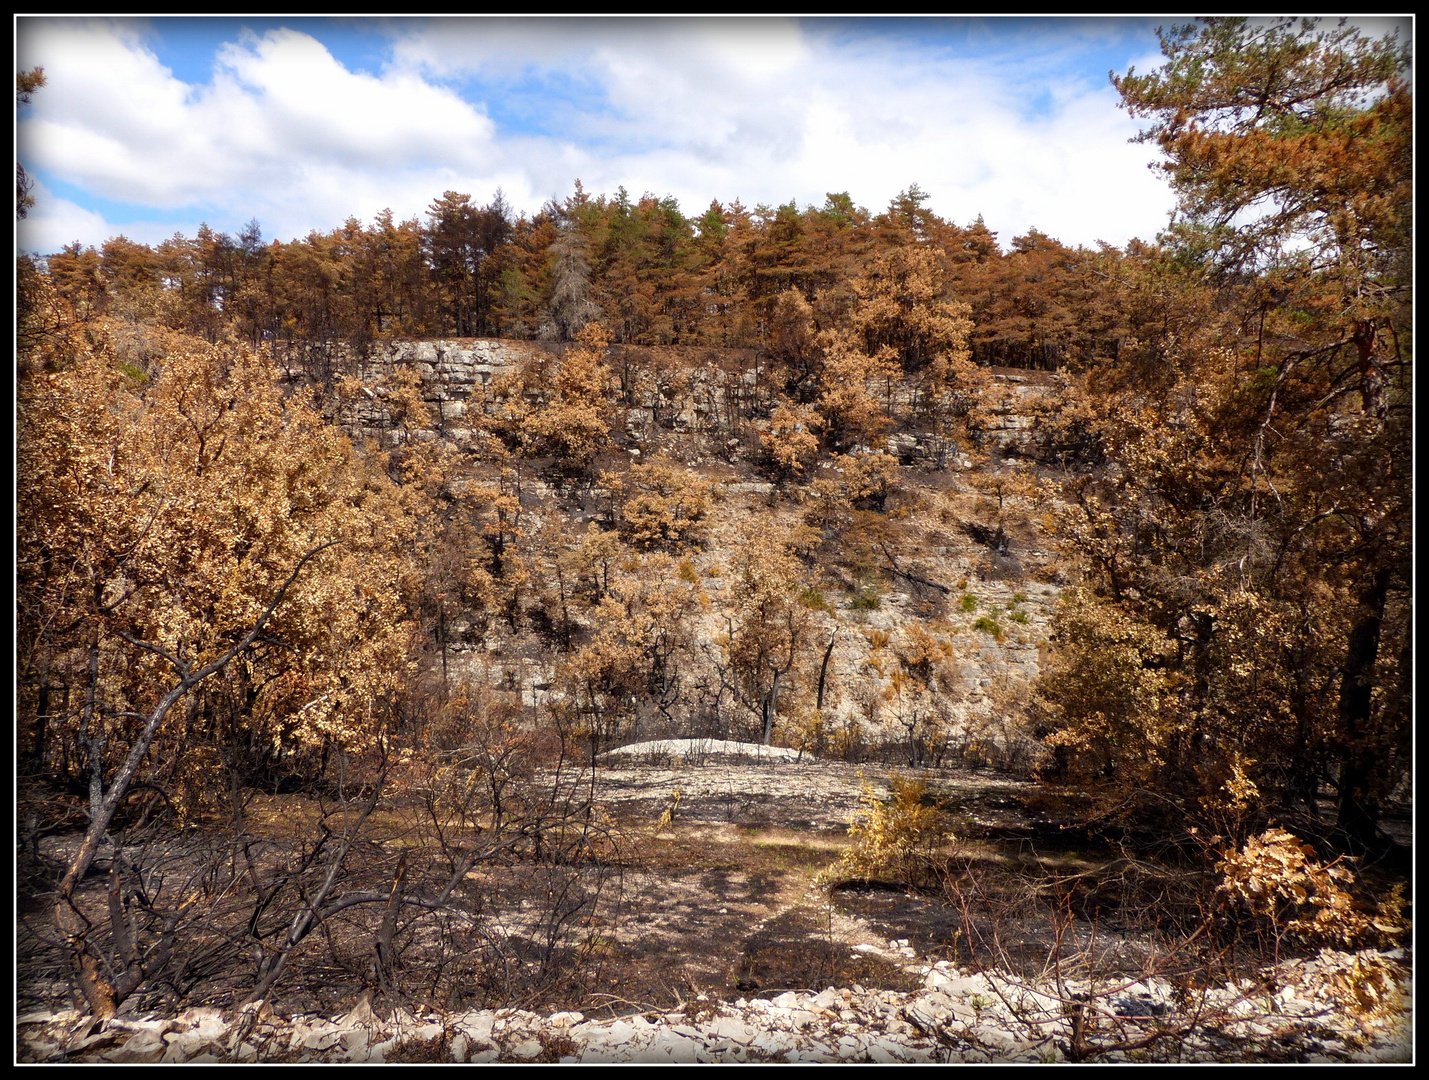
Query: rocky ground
[[722, 942], [954, 1016]]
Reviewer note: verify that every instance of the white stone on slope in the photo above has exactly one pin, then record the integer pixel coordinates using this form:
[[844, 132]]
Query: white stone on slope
[[693, 751]]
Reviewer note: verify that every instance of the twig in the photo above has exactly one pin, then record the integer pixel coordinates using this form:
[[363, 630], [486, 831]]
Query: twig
[[893, 566]]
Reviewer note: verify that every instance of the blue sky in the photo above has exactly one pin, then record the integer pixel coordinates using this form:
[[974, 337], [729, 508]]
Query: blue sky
[[147, 127]]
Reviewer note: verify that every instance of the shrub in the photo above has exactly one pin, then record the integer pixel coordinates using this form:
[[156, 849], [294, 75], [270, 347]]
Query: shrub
[[668, 509], [1278, 877], [867, 594], [788, 439], [968, 602], [895, 838]]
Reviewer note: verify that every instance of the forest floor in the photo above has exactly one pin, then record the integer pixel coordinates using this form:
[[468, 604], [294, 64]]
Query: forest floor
[[720, 897], [739, 889], [721, 890]]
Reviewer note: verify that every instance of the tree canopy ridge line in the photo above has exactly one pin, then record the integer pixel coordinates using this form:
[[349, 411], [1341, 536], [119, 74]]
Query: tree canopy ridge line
[[650, 274]]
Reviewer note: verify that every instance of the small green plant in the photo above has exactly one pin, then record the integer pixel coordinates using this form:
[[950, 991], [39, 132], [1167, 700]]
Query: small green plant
[[1019, 598], [968, 602], [867, 594], [988, 626], [814, 598], [1018, 616]]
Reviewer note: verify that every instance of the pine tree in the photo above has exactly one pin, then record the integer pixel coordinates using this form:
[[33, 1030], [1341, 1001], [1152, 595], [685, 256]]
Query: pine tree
[[1254, 537]]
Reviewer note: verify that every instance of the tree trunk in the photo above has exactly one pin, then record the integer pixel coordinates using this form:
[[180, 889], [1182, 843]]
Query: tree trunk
[[386, 959], [1360, 749], [68, 918], [824, 668], [771, 706], [42, 724], [1372, 380]]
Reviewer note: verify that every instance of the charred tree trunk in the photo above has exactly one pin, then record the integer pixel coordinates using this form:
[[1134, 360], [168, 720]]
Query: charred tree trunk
[[824, 668], [1360, 746]]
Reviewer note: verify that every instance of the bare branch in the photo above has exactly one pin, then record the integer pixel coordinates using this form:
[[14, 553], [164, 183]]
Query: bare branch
[[99, 824]]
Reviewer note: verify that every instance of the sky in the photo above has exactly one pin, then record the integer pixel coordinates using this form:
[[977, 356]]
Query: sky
[[150, 127]]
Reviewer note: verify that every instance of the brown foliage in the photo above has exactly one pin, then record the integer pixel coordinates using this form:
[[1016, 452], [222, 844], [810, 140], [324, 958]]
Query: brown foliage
[[667, 507]]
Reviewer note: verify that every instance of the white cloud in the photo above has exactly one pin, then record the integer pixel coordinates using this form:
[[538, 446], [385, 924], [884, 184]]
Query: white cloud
[[761, 110], [55, 222], [314, 109], [283, 132], [695, 109]]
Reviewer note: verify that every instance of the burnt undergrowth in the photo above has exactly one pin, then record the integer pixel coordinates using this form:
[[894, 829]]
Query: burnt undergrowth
[[425, 895]]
